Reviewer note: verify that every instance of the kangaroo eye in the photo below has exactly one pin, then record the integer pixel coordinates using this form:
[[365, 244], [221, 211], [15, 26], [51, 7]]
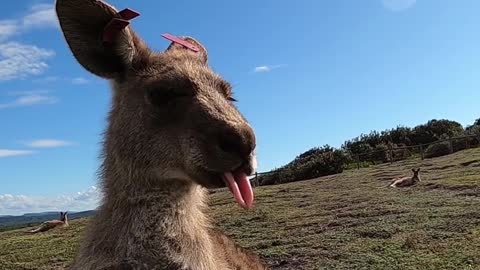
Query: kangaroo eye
[[165, 92], [161, 97], [226, 90]]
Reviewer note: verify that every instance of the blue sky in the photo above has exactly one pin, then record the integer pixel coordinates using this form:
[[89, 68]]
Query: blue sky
[[306, 73]]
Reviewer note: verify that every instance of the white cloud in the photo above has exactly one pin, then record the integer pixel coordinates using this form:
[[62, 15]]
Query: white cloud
[[56, 79], [91, 194], [29, 100], [47, 143], [8, 28], [39, 16], [12, 153], [24, 93], [20, 204], [34, 100], [262, 69], [398, 5], [20, 60], [267, 68], [42, 15], [80, 80]]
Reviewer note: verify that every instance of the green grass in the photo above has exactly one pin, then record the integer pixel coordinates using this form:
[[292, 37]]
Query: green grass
[[346, 221]]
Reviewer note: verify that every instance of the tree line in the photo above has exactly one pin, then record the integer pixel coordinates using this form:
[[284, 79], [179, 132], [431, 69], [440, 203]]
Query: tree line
[[378, 147]]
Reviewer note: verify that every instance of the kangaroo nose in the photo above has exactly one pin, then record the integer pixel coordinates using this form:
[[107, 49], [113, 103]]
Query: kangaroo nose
[[237, 141]]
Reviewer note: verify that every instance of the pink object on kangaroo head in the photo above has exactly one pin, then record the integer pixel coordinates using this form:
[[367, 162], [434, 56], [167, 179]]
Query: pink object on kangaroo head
[[116, 25], [180, 41]]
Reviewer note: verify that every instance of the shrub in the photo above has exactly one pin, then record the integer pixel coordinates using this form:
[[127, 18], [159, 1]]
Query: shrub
[[460, 144], [269, 179], [381, 153], [438, 149], [314, 163], [402, 153], [364, 150]]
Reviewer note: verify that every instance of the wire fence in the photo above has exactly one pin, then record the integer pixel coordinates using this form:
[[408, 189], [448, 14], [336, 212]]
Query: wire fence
[[395, 154]]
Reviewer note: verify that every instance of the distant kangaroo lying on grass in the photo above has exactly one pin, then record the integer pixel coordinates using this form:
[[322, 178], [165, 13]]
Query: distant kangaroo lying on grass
[[406, 181], [48, 225]]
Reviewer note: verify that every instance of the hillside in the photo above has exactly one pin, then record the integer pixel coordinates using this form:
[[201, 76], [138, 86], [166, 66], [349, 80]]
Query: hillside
[[32, 219], [343, 221], [434, 138]]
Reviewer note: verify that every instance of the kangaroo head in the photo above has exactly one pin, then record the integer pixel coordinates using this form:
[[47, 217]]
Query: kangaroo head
[[415, 174], [172, 116], [63, 216]]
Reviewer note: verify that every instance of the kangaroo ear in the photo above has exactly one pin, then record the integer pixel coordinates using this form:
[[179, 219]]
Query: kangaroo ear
[[99, 36], [200, 52], [413, 170], [61, 213]]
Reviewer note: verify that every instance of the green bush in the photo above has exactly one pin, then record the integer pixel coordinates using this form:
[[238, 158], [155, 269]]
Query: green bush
[[314, 163], [438, 149], [381, 152], [460, 144], [402, 153]]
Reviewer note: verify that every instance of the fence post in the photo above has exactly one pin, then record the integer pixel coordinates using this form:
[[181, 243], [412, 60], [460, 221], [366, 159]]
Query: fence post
[[358, 162], [451, 145], [421, 152], [391, 154], [256, 180]]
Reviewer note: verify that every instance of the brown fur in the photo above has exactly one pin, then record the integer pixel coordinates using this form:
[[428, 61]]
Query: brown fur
[[173, 130], [48, 225], [406, 181]]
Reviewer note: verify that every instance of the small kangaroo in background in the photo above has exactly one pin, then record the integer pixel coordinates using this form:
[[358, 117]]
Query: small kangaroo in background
[[48, 225], [406, 181]]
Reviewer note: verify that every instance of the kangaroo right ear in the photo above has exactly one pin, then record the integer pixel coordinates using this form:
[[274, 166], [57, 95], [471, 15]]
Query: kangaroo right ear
[[106, 51], [174, 47]]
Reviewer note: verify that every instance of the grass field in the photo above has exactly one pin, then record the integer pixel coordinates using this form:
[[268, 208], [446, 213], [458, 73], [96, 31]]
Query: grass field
[[346, 221]]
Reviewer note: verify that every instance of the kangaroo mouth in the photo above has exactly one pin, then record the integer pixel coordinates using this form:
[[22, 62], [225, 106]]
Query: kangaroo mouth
[[236, 179], [240, 187]]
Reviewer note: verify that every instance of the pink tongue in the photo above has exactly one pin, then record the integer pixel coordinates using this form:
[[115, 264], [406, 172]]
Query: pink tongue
[[240, 187]]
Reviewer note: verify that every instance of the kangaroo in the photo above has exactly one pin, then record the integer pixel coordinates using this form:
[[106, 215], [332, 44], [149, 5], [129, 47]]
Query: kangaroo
[[406, 181], [173, 132], [48, 225]]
